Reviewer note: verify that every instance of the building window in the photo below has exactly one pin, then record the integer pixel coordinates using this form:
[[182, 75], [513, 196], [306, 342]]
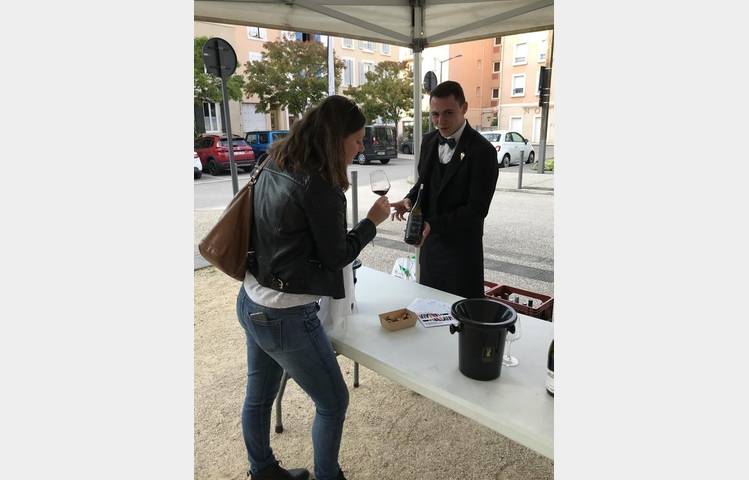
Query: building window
[[478, 91], [538, 84], [478, 64], [497, 41], [495, 93], [366, 46], [255, 56], [365, 67], [287, 35], [347, 43], [256, 33], [516, 124], [385, 48], [348, 72], [542, 51], [496, 67], [521, 54], [518, 85], [536, 129], [211, 117]]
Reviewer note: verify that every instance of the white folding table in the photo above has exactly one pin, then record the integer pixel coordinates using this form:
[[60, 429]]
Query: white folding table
[[425, 360]]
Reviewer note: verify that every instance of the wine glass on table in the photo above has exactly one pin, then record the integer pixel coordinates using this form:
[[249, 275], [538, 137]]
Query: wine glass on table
[[507, 359], [379, 182]]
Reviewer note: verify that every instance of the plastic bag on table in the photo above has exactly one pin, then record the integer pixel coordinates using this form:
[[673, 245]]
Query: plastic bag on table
[[405, 268], [333, 312]]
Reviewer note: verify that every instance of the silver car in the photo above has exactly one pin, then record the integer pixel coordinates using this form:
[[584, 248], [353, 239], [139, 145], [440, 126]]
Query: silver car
[[510, 146]]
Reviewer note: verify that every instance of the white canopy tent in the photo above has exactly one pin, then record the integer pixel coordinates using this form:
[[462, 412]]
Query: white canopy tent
[[415, 24]]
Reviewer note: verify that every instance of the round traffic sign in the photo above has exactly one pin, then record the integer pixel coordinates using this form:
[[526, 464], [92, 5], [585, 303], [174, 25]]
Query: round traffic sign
[[219, 58], [430, 81]]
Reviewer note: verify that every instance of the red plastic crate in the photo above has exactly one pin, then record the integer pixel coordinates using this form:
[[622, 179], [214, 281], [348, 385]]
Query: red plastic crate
[[543, 307], [488, 286]]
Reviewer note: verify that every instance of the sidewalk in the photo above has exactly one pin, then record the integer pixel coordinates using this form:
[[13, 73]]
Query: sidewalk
[[531, 182]]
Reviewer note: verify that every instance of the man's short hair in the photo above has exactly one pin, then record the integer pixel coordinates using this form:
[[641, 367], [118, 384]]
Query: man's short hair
[[447, 88]]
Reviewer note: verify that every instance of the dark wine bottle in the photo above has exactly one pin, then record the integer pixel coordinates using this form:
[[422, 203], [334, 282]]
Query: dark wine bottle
[[550, 371], [415, 223]]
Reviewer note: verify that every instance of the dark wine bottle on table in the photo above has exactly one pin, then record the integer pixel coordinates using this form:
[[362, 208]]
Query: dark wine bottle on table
[[415, 223], [550, 371]]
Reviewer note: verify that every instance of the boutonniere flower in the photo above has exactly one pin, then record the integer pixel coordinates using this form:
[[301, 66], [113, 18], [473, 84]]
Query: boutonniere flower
[[462, 156]]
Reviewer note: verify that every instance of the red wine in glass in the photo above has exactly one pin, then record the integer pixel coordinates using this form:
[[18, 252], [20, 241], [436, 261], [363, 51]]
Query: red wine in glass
[[379, 182]]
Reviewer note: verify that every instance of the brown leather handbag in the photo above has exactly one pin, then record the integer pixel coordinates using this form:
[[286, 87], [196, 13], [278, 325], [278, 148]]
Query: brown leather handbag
[[227, 244]]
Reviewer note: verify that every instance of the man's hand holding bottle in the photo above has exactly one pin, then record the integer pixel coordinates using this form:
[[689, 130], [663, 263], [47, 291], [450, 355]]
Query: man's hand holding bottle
[[417, 229]]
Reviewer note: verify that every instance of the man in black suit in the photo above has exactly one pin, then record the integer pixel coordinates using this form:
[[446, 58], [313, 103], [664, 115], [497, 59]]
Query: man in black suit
[[459, 170]]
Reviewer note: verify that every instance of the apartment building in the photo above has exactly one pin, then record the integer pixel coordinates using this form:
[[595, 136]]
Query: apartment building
[[500, 80], [359, 57], [476, 68], [524, 55]]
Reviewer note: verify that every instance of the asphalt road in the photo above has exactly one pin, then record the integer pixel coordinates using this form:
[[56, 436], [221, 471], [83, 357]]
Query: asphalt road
[[216, 192]]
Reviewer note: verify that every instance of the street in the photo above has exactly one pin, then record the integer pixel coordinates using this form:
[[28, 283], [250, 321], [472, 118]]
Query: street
[[518, 231], [215, 192]]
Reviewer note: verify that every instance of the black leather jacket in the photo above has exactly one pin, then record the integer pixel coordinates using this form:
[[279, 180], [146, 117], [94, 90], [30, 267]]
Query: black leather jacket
[[299, 236]]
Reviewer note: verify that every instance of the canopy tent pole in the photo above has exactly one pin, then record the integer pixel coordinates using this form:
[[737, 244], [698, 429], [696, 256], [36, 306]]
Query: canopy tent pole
[[417, 46], [331, 67]]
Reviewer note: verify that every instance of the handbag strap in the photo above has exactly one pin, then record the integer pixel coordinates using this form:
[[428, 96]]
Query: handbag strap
[[258, 169]]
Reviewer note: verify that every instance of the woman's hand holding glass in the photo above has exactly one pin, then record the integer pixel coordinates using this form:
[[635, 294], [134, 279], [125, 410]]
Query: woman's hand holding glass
[[379, 211]]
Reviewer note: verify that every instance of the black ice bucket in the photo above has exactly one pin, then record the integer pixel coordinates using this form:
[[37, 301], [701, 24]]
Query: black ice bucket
[[482, 329]]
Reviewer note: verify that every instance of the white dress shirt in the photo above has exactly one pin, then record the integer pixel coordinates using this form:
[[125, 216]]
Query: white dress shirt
[[445, 152]]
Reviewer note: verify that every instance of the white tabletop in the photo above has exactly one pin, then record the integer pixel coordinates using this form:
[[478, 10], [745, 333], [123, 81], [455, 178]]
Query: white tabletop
[[425, 360]]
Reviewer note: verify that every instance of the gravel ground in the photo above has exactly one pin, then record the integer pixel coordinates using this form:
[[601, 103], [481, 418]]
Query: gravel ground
[[390, 432]]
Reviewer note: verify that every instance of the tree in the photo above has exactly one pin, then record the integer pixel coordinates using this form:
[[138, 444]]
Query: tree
[[290, 74], [208, 87], [388, 92]]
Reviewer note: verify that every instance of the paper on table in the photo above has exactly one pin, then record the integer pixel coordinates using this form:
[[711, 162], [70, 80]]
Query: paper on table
[[422, 305], [431, 313]]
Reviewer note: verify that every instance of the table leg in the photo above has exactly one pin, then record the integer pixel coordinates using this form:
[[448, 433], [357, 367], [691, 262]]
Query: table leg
[[279, 398]]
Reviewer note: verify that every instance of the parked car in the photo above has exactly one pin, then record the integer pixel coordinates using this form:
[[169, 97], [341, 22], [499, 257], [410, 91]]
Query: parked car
[[197, 165], [213, 151], [261, 140], [407, 146], [509, 146], [379, 144]]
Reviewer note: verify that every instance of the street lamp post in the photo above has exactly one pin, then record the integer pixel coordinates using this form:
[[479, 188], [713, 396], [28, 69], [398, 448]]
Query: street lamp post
[[447, 60]]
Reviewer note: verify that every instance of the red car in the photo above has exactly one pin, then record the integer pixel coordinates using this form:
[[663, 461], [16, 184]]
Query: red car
[[213, 151]]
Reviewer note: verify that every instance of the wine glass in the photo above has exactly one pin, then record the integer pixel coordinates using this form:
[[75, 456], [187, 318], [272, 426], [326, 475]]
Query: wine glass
[[507, 359], [379, 182]]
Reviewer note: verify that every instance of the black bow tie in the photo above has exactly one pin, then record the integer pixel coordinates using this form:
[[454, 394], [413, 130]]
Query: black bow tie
[[449, 141]]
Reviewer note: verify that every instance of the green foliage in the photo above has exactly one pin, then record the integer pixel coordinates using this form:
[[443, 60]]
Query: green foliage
[[291, 74], [207, 88], [388, 92], [548, 166]]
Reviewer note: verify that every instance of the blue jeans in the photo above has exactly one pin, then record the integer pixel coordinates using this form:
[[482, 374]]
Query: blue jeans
[[291, 339]]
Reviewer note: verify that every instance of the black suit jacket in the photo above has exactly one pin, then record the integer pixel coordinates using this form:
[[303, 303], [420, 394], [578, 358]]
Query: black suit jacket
[[455, 207]]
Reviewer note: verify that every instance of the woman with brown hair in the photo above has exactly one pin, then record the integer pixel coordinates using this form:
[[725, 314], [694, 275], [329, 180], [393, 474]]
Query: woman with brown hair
[[300, 248]]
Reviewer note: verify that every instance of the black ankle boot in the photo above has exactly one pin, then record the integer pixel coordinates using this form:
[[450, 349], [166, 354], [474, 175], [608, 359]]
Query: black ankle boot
[[277, 472], [340, 475]]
